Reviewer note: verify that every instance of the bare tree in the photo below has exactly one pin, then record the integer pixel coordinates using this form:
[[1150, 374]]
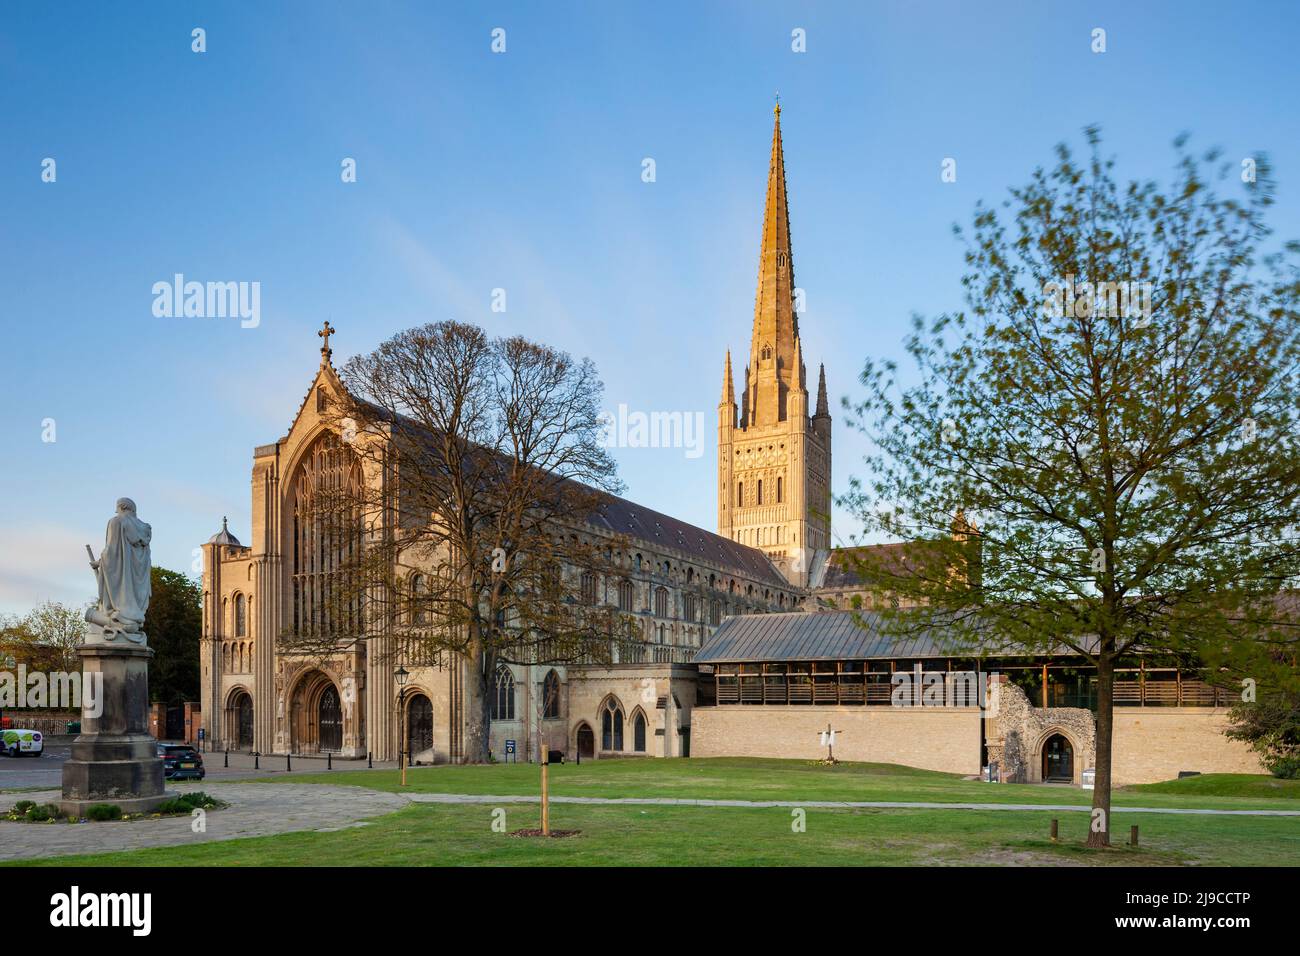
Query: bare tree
[[463, 533]]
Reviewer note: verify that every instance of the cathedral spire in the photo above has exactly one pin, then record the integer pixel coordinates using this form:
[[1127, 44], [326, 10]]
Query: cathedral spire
[[823, 407], [776, 326], [728, 389]]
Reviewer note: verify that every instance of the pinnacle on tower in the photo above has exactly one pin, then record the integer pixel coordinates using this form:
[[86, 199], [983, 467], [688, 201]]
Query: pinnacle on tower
[[823, 408], [776, 326]]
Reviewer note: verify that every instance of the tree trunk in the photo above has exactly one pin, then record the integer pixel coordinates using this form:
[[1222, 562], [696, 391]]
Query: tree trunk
[[1099, 827], [478, 710]]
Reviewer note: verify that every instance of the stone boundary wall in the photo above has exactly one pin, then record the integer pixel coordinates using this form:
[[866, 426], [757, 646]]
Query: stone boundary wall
[[931, 738], [1155, 743]]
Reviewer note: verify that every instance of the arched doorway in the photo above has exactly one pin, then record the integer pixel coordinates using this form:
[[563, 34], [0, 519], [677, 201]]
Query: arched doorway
[[586, 741], [419, 727], [330, 719], [1058, 760], [243, 713]]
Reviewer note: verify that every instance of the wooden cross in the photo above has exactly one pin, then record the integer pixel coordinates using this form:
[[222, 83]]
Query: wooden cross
[[827, 737], [325, 334]]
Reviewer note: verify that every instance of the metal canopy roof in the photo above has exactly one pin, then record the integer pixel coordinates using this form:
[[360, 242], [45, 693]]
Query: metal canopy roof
[[821, 636]]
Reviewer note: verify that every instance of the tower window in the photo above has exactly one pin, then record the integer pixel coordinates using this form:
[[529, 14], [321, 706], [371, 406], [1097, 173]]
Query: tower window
[[778, 489], [740, 494], [760, 491]]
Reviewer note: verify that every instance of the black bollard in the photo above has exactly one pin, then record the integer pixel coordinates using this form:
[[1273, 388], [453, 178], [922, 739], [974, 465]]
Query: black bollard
[[257, 757], [329, 760], [227, 763], [288, 762], [370, 759]]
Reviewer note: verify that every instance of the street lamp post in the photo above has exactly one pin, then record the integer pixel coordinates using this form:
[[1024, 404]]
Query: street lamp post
[[401, 675]]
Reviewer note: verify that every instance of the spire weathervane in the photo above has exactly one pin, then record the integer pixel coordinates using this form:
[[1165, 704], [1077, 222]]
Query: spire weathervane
[[325, 333], [777, 108]]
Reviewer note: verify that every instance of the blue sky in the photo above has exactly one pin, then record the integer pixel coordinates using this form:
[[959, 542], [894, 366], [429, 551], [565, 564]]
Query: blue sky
[[520, 171]]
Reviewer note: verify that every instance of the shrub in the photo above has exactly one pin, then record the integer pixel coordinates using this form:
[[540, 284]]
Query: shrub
[[22, 806], [104, 811], [38, 814], [1284, 768], [187, 802]]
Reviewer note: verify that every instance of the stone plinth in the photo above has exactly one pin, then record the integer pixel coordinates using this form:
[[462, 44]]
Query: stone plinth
[[115, 760]]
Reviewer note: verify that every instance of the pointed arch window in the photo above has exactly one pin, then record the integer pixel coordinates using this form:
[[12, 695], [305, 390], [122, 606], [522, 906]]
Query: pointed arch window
[[551, 696], [740, 494], [503, 698], [241, 616], [611, 725], [417, 615], [638, 732], [779, 489], [760, 491], [625, 595]]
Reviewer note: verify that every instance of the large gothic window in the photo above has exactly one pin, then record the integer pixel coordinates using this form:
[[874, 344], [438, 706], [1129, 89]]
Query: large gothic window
[[625, 595], [326, 540], [661, 602], [241, 616]]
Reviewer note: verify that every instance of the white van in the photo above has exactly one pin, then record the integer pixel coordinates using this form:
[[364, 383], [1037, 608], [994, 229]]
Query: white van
[[18, 742]]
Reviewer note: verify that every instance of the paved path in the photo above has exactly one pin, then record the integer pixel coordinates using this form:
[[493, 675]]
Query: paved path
[[255, 810], [827, 804], [260, 809]]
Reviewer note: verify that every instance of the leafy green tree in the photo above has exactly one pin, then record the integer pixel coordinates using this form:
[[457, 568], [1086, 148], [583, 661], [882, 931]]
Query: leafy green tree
[[174, 624], [59, 630], [1269, 722], [1115, 413]]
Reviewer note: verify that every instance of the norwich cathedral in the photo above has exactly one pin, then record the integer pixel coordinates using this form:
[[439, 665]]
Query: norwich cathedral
[[745, 646]]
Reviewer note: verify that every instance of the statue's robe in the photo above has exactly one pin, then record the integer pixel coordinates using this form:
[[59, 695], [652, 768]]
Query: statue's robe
[[124, 584]]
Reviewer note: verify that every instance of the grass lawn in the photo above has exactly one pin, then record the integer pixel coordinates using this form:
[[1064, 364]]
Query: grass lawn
[[744, 778], [440, 835]]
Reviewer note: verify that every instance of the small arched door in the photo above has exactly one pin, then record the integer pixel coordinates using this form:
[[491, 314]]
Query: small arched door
[[1058, 760], [330, 719], [586, 742], [419, 725], [244, 722]]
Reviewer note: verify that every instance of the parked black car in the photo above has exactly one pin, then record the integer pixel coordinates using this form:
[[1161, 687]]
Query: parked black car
[[181, 762]]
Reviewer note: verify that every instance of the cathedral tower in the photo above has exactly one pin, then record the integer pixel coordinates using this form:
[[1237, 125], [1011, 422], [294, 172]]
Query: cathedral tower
[[774, 458]]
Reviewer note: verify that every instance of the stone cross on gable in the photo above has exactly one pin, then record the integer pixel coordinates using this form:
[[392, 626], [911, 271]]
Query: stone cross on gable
[[325, 334]]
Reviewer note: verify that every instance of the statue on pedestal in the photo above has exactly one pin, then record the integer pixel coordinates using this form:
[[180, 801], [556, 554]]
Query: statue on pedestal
[[114, 759], [124, 583]]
